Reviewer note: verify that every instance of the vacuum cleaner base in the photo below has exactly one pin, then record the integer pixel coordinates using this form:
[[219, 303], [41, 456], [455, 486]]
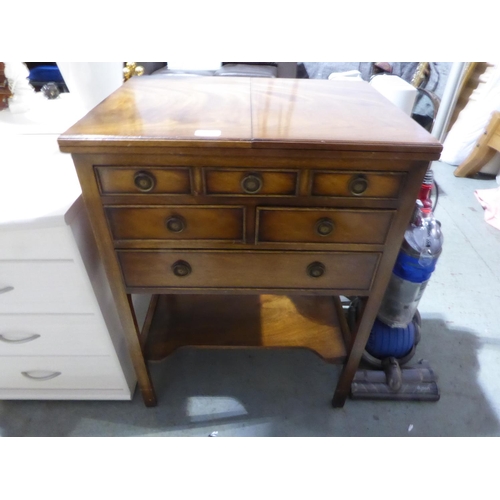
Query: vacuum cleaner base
[[416, 383]]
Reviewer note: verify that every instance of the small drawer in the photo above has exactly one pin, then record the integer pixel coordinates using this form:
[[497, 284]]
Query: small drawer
[[44, 287], [240, 182], [323, 226], [247, 270], [143, 180], [64, 372], [53, 335], [176, 223], [358, 184]]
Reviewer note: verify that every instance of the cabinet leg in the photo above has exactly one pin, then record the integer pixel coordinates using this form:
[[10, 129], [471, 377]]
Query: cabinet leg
[[144, 381], [137, 353], [339, 397], [149, 396], [355, 352]]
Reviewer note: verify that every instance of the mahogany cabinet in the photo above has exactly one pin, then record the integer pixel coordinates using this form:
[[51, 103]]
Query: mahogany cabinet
[[247, 206]]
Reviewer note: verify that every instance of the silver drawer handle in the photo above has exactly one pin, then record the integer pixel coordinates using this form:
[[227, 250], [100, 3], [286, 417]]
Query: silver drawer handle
[[6, 289], [32, 375], [3, 338]]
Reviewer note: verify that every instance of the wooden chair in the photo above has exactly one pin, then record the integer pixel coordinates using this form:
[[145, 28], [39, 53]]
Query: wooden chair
[[486, 147], [475, 78]]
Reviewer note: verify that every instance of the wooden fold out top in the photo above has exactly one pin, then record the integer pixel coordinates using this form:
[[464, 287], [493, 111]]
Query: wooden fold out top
[[249, 113]]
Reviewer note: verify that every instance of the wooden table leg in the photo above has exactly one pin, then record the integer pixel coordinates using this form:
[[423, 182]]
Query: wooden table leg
[[104, 242], [140, 364], [355, 352], [383, 275], [145, 386]]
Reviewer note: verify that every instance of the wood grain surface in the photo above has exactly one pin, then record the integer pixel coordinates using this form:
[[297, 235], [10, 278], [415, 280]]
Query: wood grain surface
[[378, 185], [304, 225], [123, 180], [198, 223], [249, 112], [233, 269], [245, 321], [334, 112]]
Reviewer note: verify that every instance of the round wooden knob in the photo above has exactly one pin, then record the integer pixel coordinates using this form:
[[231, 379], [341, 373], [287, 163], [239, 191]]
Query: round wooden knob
[[358, 185], [316, 269], [251, 183], [324, 227], [176, 224], [144, 181], [181, 268]]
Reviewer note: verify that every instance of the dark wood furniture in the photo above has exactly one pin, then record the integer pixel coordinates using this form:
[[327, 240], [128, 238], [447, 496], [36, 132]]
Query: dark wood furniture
[[247, 206], [5, 92]]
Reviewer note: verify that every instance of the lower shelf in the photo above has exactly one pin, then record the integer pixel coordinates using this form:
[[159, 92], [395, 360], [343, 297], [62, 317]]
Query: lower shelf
[[243, 321]]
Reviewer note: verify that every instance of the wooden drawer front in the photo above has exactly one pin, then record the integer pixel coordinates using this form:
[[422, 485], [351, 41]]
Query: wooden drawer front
[[251, 182], [357, 185], [64, 372], [43, 287], [323, 226], [176, 223], [52, 335], [213, 269], [137, 180]]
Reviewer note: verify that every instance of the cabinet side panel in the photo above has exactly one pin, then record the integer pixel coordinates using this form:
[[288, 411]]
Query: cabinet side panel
[[116, 293], [90, 258]]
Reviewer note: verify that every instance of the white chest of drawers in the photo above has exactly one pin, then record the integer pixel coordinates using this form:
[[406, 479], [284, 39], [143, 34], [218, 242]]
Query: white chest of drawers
[[60, 335]]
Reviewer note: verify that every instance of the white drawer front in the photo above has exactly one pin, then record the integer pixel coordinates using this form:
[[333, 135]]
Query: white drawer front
[[53, 335], [43, 287], [36, 243], [69, 394], [71, 372]]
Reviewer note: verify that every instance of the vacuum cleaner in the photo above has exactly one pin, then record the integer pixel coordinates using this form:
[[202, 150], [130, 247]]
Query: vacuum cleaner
[[387, 353], [396, 331]]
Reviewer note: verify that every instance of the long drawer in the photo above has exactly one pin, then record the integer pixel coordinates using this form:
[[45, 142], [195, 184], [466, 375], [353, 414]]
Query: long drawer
[[52, 335], [176, 223], [259, 270], [323, 225], [65, 372], [43, 287]]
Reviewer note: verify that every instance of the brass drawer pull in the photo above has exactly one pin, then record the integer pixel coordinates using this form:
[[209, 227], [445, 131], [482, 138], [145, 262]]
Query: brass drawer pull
[[252, 183], [358, 185], [176, 224], [325, 226], [144, 181], [181, 268], [316, 269]]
